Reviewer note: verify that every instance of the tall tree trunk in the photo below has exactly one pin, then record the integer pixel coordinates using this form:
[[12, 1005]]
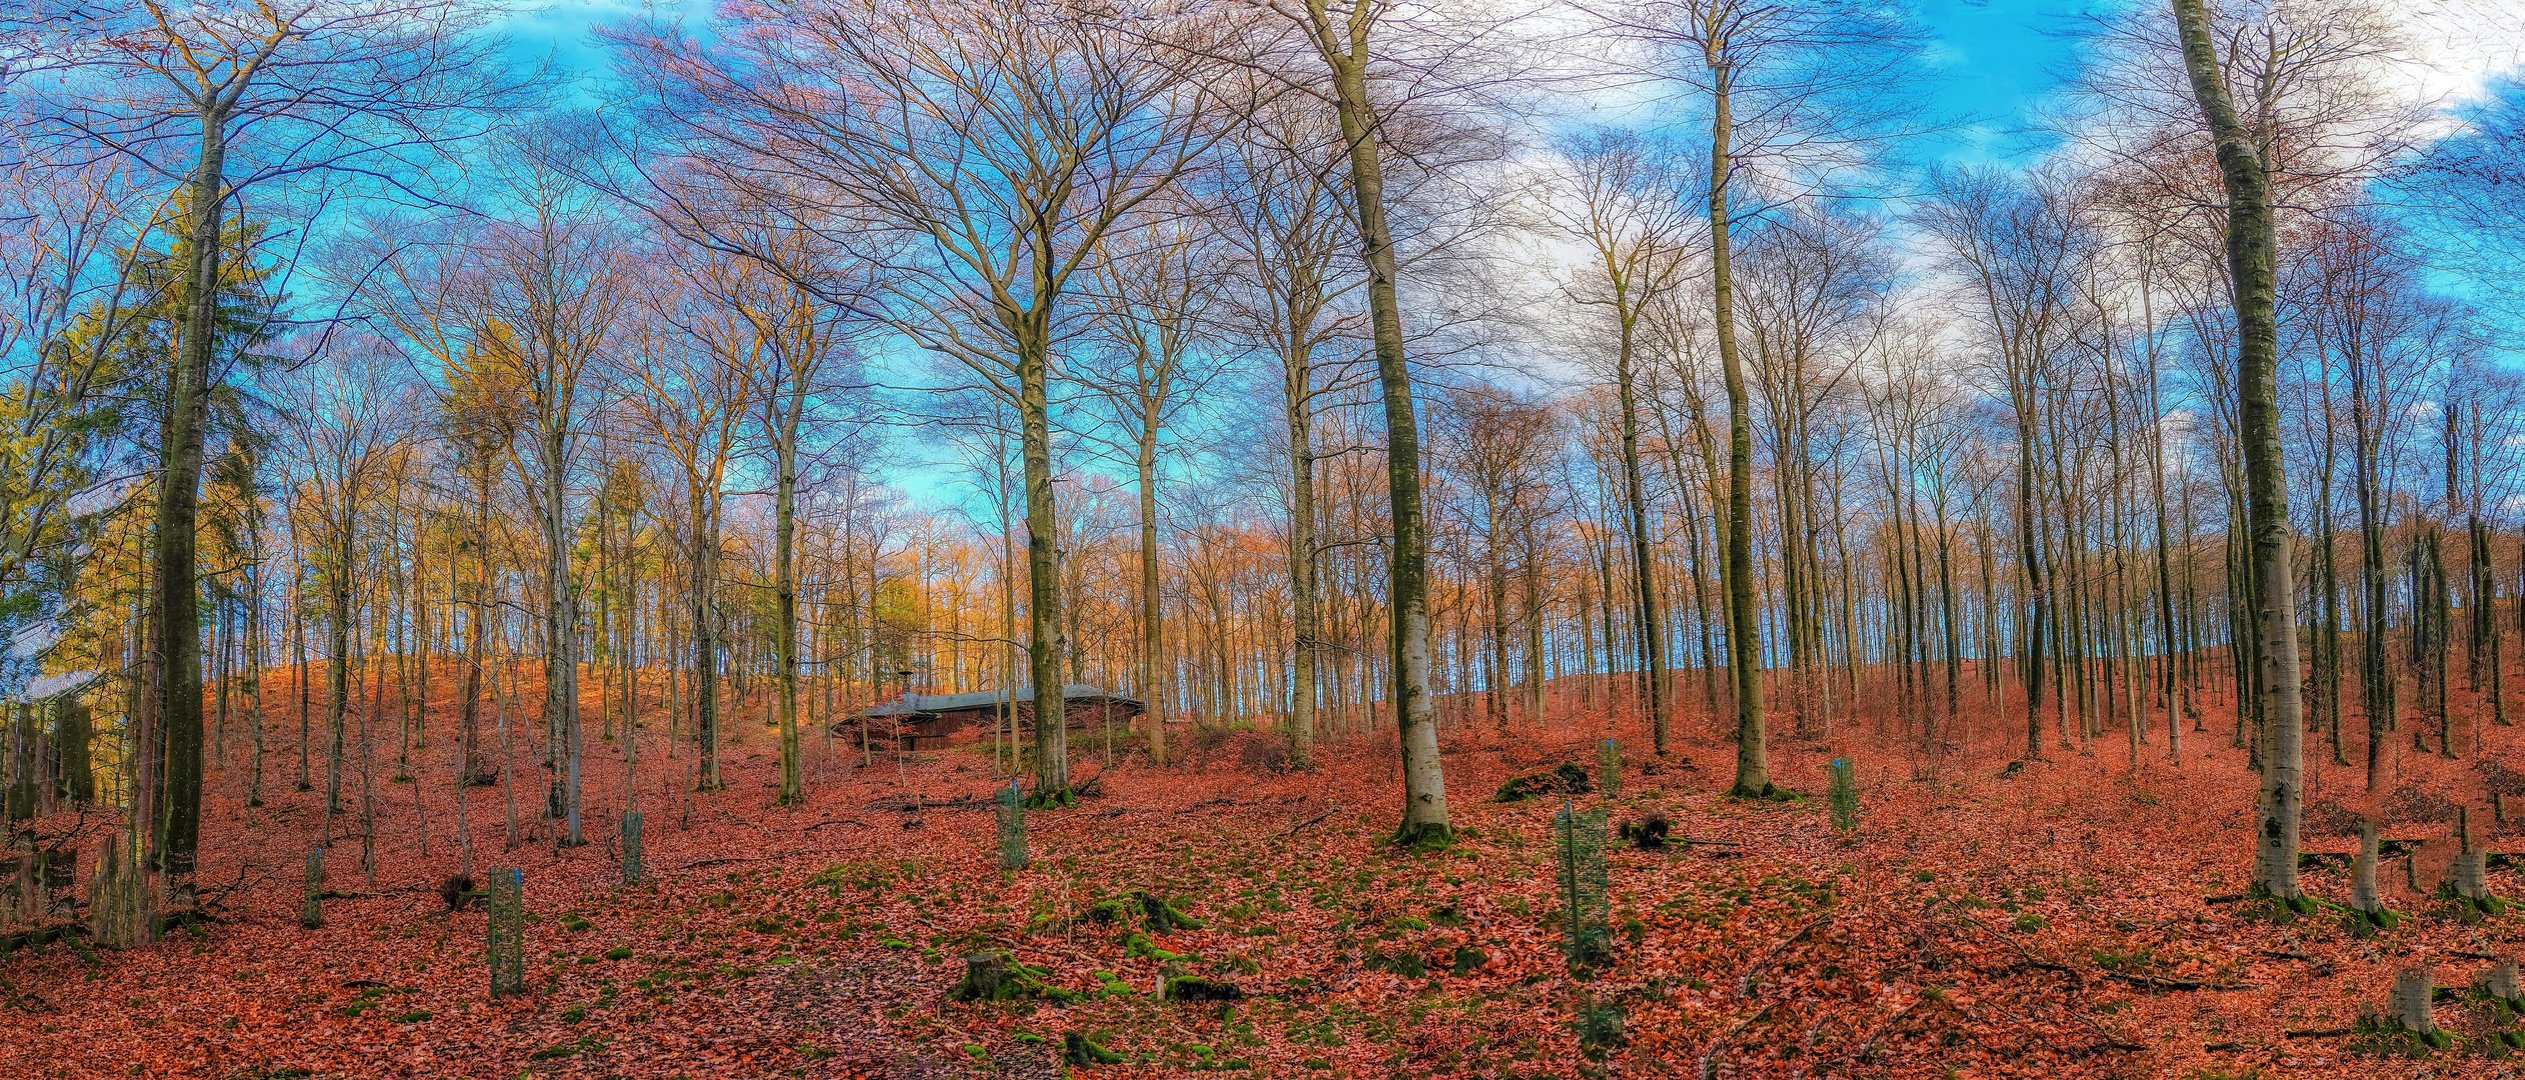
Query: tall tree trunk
[[1043, 561], [793, 784], [174, 534], [1533, 617], [1345, 49], [2250, 241], [1304, 582], [561, 637], [1652, 633], [1744, 649], [705, 637], [477, 639], [337, 664], [1152, 603]]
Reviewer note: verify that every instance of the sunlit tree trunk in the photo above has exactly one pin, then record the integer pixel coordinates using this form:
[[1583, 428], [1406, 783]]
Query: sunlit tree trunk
[[2249, 241], [1744, 649], [1344, 46]]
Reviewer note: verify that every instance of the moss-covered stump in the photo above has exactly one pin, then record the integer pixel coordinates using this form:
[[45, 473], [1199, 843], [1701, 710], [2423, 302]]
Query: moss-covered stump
[[2408, 1026], [1111, 911], [1164, 917], [1565, 778], [1194, 988], [2501, 984], [2467, 878], [1078, 1049], [994, 975], [2472, 908]]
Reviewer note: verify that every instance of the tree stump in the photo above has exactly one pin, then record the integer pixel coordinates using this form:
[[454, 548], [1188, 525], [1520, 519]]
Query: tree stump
[[1162, 916], [995, 975], [504, 931], [2467, 879], [2501, 982], [1175, 983], [1566, 778], [631, 865], [986, 976], [2368, 913], [1078, 1049], [2409, 1006], [311, 911]]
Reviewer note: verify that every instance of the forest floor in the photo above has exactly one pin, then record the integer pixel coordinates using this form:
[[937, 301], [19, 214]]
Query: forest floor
[[2070, 918]]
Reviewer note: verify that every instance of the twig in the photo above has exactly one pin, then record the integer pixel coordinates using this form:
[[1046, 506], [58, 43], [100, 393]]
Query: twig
[[1293, 829], [1869, 1046], [2111, 1041], [1744, 986], [1709, 1061]]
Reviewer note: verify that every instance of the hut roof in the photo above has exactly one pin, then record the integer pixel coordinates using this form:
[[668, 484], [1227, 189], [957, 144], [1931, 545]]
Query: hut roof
[[48, 687], [911, 705]]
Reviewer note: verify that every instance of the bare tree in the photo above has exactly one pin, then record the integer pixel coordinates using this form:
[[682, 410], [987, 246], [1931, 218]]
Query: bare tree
[[349, 414], [1631, 211], [692, 366], [228, 99], [554, 276], [1151, 297], [2020, 247], [980, 151], [1358, 63], [1793, 88], [1276, 200]]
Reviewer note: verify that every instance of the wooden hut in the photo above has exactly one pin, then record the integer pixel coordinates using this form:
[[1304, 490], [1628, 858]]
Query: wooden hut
[[917, 721]]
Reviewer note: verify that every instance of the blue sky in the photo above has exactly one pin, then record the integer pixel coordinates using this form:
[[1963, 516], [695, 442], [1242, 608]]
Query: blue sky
[[1998, 59]]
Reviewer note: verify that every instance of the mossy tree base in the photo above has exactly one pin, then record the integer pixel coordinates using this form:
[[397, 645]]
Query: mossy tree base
[[995, 975], [1769, 792], [2260, 904], [2369, 922], [1164, 917], [1078, 1049], [2385, 1036], [1425, 836], [2471, 909], [1193, 988]]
